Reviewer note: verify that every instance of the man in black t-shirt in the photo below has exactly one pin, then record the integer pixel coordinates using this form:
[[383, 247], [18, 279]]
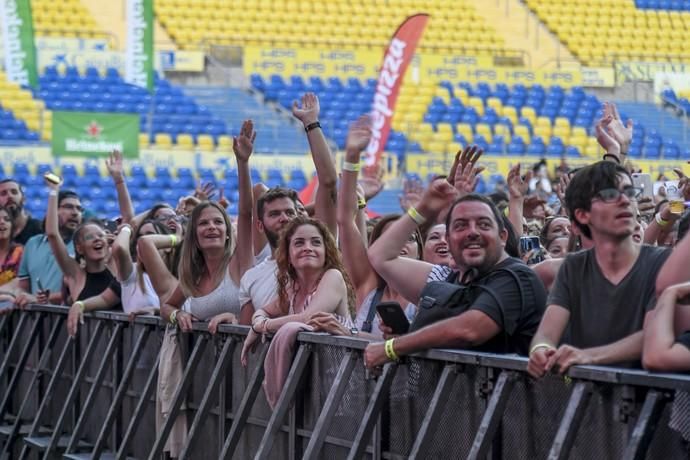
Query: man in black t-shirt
[[12, 198], [600, 295], [501, 316]]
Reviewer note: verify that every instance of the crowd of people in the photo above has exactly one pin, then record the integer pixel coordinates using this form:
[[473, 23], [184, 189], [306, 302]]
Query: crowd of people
[[607, 283]]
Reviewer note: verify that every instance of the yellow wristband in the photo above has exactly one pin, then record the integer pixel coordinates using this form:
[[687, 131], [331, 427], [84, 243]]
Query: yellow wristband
[[81, 305], [390, 351], [661, 221], [173, 240], [538, 346], [416, 216], [173, 317], [352, 167], [361, 203]]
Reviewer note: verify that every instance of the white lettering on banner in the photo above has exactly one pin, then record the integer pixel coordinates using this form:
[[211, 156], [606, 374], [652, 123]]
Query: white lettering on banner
[[15, 58], [382, 105], [137, 57], [77, 145]]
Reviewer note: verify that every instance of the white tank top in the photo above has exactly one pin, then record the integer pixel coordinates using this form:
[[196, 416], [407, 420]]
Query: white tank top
[[223, 299]]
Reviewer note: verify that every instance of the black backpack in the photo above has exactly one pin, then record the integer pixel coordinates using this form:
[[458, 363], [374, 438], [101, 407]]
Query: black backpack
[[440, 300]]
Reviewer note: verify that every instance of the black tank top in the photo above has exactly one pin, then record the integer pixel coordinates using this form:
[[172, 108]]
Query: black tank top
[[95, 284]]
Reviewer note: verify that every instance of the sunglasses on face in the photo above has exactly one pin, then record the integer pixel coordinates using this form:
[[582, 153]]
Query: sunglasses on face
[[611, 195]]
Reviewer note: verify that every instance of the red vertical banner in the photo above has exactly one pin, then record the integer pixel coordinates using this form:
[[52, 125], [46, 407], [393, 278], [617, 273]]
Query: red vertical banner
[[396, 59]]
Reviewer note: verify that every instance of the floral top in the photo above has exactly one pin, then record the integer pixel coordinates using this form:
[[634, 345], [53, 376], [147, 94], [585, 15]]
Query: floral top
[[10, 266]]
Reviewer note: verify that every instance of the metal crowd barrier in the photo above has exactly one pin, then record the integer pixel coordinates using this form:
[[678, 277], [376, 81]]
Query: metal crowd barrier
[[94, 397]]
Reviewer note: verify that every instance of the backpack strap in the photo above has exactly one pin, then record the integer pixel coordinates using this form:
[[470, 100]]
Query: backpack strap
[[367, 324]]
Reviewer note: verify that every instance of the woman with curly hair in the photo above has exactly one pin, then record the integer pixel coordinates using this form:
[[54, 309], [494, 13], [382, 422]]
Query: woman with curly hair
[[311, 279]]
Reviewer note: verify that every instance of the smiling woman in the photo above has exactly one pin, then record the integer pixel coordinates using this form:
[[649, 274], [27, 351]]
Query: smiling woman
[[10, 253]]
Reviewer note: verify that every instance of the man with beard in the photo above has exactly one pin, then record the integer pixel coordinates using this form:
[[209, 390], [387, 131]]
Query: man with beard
[[258, 286], [601, 295], [505, 298], [39, 269], [12, 198]]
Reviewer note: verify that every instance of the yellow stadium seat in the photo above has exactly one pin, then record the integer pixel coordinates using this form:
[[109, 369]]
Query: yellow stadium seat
[[185, 141], [578, 131], [478, 105], [224, 143], [162, 141], [465, 129], [543, 131], [523, 132], [496, 104], [543, 121], [484, 130], [592, 150], [205, 142], [529, 113], [562, 122], [436, 147]]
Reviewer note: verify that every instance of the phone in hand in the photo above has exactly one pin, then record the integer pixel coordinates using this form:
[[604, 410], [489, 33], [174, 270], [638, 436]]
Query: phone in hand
[[643, 181], [393, 316], [54, 178], [528, 243]]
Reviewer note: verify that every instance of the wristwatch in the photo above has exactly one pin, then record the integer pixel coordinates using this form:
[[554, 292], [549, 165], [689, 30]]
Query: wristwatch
[[354, 332]]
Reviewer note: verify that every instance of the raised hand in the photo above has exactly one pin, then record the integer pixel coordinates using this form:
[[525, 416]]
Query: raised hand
[[243, 145], [517, 185], [561, 188], [412, 193], [204, 191], [616, 129], [114, 165], [308, 113], [466, 178], [359, 134], [438, 196], [469, 154], [604, 139], [372, 181]]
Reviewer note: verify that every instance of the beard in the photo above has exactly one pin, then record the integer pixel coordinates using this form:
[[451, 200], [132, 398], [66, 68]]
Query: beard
[[14, 210], [272, 237]]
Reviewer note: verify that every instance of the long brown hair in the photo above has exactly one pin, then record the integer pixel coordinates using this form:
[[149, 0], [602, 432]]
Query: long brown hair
[[286, 272], [192, 268]]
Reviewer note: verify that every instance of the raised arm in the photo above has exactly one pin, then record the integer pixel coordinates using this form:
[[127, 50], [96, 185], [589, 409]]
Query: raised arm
[[408, 276], [354, 251], [121, 254], [116, 170], [259, 240], [148, 250], [517, 189], [326, 194], [660, 351], [67, 264], [243, 259], [612, 135]]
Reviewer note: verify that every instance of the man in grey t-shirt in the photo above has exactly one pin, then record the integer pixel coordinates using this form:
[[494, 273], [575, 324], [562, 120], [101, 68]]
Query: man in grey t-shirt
[[600, 295]]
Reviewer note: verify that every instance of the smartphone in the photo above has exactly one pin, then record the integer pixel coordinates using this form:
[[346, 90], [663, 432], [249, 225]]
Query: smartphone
[[39, 284], [110, 225], [643, 181], [54, 178], [528, 243], [393, 316]]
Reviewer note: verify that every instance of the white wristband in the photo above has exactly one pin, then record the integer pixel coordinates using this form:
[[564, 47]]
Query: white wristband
[[53, 193]]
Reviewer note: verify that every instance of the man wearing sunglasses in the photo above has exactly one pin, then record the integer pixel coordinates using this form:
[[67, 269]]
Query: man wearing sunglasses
[[600, 295]]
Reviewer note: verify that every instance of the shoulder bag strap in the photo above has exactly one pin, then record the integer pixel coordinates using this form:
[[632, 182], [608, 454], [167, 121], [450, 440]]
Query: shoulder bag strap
[[366, 326]]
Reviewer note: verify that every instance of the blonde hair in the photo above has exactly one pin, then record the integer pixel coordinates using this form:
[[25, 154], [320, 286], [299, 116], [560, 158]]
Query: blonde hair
[[192, 268]]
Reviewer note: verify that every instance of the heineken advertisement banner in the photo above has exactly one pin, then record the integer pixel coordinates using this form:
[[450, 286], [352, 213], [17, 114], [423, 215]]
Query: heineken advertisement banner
[[139, 51], [95, 134], [18, 38]]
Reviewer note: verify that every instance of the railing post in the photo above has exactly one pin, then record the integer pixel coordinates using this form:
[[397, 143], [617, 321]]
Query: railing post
[[646, 425], [567, 431]]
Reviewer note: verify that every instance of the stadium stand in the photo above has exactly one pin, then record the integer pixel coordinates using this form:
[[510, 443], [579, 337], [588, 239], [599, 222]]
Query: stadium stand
[[661, 29], [176, 116], [679, 101], [343, 24], [20, 114], [65, 19]]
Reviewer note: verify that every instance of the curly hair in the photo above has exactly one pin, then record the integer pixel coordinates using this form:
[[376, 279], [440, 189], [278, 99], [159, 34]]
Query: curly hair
[[286, 272]]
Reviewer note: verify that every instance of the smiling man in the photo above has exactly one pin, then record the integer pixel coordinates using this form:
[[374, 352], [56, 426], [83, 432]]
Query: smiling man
[[12, 198], [601, 294], [39, 267], [492, 303]]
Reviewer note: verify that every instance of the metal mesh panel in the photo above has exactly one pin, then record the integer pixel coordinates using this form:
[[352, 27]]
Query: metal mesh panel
[[601, 435], [350, 410], [667, 443], [410, 395], [533, 404]]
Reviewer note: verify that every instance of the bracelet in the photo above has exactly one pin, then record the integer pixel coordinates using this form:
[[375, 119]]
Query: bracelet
[[612, 157], [173, 240], [53, 193], [119, 182], [361, 203], [390, 351], [352, 167], [538, 346], [81, 305], [311, 126], [416, 216], [661, 221], [173, 317]]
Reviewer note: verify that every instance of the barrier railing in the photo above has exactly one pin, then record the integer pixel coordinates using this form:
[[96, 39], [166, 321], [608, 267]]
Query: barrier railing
[[93, 397]]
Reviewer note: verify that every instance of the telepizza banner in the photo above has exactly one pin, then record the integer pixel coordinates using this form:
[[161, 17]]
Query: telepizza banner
[[18, 38], [95, 134], [395, 62]]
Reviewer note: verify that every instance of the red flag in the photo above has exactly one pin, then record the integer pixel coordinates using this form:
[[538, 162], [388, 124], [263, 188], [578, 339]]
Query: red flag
[[395, 62]]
